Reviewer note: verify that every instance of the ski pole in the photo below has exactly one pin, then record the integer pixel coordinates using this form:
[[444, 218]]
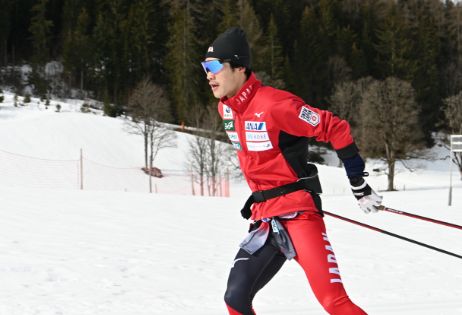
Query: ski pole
[[415, 216], [392, 234]]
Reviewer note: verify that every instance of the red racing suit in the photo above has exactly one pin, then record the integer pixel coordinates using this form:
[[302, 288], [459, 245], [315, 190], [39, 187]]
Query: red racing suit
[[270, 129]]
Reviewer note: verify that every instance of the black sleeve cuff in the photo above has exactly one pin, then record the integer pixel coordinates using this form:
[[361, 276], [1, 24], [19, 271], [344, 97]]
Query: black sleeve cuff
[[348, 152]]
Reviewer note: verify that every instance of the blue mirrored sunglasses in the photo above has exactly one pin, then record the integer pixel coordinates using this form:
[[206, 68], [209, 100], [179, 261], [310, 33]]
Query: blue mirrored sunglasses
[[213, 66]]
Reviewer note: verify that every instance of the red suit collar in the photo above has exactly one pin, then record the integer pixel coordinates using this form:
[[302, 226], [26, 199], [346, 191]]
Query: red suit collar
[[240, 101]]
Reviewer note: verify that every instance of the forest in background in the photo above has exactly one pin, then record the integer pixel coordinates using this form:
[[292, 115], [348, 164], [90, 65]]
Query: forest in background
[[335, 54]]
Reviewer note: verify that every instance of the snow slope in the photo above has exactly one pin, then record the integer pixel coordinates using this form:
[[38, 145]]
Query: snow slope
[[112, 252]]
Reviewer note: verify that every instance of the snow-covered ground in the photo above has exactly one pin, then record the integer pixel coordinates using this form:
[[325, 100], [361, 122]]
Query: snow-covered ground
[[123, 251]]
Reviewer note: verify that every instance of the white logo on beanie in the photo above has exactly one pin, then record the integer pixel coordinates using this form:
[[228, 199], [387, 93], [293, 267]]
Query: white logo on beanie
[[210, 49]]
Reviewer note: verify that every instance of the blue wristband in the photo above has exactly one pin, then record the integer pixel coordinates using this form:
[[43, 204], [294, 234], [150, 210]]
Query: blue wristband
[[354, 166]]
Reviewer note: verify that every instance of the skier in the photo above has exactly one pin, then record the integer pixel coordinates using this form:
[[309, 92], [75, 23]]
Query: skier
[[270, 128]]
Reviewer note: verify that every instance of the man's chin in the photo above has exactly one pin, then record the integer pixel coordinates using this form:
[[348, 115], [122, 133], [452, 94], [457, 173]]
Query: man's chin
[[217, 94]]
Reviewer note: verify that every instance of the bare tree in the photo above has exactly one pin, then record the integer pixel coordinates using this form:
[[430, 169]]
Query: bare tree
[[216, 150], [147, 107], [453, 114], [389, 123], [346, 100], [208, 156], [198, 151]]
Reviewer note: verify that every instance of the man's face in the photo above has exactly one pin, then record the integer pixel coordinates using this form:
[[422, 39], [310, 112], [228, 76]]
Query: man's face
[[227, 81]]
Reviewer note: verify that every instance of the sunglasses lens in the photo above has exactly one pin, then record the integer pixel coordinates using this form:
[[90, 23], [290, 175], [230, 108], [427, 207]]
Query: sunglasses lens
[[213, 66]]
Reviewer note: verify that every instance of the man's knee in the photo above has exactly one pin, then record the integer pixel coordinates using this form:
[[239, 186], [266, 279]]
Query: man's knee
[[234, 299], [238, 303]]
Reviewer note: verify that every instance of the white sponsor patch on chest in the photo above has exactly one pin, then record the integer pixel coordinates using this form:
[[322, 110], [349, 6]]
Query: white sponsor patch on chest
[[259, 146], [256, 136], [255, 126], [227, 112], [309, 116], [232, 135], [237, 145]]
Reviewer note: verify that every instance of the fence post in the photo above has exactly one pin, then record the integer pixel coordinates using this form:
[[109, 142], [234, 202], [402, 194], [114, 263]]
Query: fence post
[[456, 146]]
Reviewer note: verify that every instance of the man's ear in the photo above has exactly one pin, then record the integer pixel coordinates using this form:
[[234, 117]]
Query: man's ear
[[241, 69]]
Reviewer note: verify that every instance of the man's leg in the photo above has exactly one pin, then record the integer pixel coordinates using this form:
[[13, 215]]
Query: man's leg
[[316, 256], [250, 273]]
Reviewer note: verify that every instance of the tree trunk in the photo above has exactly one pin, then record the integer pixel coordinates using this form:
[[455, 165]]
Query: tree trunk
[[201, 180], [391, 175], [151, 158], [5, 52], [146, 136], [391, 167], [214, 185], [81, 80]]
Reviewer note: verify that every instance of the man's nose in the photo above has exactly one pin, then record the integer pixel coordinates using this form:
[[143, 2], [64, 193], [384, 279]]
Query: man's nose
[[210, 75]]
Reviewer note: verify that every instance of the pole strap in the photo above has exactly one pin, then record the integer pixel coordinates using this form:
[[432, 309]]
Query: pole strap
[[393, 235], [415, 216]]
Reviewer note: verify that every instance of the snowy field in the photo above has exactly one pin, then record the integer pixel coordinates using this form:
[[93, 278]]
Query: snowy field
[[119, 251]]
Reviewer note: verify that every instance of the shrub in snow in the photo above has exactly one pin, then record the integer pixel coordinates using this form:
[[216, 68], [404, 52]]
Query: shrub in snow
[[27, 98], [58, 108], [85, 108]]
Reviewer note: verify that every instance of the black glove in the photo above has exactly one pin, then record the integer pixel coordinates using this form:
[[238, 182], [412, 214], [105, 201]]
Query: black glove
[[246, 212]]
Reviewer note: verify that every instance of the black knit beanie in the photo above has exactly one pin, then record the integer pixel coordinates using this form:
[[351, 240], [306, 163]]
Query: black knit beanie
[[232, 45]]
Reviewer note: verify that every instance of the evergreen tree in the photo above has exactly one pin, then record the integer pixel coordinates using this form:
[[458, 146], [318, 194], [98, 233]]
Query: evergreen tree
[[140, 39], [5, 24], [183, 57], [452, 76], [273, 60], [309, 64], [40, 28], [394, 47], [229, 18], [77, 48], [425, 53], [248, 21], [108, 39]]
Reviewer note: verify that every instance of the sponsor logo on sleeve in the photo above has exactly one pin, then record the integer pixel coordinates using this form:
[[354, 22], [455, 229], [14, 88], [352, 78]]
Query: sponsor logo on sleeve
[[228, 124], [259, 146], [256, 136], [309, 116], [255, 125], [227, 112], [232, 135]]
